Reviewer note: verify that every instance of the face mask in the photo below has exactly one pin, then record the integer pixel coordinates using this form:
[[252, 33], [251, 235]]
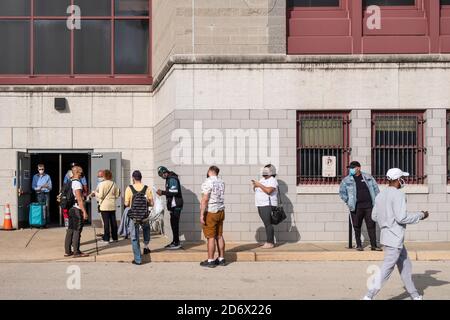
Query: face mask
[[101, 179], [402, 183], [41, 171], [352, 171]]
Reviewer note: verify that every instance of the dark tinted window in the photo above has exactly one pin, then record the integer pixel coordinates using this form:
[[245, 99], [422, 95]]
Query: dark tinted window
[[93, 48], [131, 46], [389, 2], [94, 7], [445, 2], [51, 47], [15, 8], [51, 7], [131, 7], [15, 36], [313, 3]]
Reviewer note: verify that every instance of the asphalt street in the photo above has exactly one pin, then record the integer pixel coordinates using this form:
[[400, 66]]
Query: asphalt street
[[255, 280]]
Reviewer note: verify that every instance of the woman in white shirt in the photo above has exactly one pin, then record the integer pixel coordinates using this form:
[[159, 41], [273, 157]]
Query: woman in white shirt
[[266, 196]]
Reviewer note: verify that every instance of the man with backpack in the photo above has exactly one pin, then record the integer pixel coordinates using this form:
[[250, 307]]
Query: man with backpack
[[139, 198], [71, 198], [174, 199]]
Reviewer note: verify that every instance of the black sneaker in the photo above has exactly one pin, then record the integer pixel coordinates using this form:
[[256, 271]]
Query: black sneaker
[[376, 249], [173, 246], [146, 251], [359, 248], [222, 263], [208, 264], [134, 262]]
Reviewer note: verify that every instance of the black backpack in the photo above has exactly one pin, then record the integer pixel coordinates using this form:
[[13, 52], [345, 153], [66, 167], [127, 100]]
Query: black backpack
[[66, 197], [139, 207]]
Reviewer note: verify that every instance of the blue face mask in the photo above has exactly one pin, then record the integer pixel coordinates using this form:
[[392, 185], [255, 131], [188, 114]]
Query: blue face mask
[[352, 171]]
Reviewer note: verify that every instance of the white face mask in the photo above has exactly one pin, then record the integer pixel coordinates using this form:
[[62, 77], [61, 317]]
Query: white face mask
[[402, 183]]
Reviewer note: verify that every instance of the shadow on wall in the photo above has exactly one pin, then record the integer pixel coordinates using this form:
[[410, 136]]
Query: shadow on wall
[[287, 231], [190, 217]]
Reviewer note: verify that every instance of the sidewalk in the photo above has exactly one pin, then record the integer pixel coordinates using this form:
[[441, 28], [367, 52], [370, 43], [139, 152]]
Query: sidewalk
[[45, 245]]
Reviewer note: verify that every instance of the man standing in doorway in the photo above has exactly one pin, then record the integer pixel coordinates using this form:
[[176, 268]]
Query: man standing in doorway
[[358, 190], [77, 217], [212, 215], [390, 213], [174, 203], [42, 185]]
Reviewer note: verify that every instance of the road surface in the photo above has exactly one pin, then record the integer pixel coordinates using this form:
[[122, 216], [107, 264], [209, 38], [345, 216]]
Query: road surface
[[255, 280]]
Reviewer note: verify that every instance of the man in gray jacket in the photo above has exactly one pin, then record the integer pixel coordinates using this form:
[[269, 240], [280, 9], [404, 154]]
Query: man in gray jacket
[[390, 213]]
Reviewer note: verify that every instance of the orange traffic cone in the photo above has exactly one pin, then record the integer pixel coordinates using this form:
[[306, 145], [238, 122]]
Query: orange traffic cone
[[7, 222]]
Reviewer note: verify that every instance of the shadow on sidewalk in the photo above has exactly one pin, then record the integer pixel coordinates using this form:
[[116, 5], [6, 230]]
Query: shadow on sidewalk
[[422, 282]]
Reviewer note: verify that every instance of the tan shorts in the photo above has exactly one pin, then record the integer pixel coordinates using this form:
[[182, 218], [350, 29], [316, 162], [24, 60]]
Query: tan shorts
[[214, 224]]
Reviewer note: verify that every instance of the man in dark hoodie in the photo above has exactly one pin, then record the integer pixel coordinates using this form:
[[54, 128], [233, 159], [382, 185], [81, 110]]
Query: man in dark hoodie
[[174, 203]]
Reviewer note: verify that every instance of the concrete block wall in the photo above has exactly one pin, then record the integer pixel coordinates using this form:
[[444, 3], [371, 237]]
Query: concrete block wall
[[98, 121], [313, 215], [218, 27], [436, 201]]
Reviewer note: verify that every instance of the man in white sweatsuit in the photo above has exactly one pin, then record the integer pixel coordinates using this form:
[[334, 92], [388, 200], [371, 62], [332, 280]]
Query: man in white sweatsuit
[[390, 213]]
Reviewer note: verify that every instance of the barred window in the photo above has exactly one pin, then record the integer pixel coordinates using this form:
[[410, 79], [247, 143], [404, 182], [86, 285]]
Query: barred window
[[321, 134], [398, 142]]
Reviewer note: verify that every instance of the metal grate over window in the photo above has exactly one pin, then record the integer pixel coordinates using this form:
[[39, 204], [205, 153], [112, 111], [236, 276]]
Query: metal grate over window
[[321, 134], [398, 142]]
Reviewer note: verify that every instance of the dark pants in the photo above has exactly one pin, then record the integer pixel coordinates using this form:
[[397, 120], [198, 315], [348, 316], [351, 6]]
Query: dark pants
[[175, 224], [265, 213], [357, 219], [73, 233], [109, 225]]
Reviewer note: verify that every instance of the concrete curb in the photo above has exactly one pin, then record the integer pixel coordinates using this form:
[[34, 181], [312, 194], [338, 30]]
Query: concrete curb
[[246, 256], [263, 256]]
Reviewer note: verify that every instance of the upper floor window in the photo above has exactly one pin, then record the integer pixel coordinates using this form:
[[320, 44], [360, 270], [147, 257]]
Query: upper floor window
[[321, 134], [398, 142], [39, 40], [389, 2], [313, 3]]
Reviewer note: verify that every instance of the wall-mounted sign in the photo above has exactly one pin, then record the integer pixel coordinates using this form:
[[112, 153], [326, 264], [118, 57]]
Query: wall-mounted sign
[[329, 166]]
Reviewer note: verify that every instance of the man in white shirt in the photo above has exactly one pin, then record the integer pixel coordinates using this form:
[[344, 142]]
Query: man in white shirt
[[390, 213], [212, 215]]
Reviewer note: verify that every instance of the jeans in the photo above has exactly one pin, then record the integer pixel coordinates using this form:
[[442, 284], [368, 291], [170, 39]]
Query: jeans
[[357, 219], [109, 225], [73, 233], [44, 197], [134, 234], [265, 214], [175, 214], [392, 257]]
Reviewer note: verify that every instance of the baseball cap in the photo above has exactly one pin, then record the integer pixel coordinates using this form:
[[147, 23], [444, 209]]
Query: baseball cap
[[354, 164], [162, 170], [396, 173]]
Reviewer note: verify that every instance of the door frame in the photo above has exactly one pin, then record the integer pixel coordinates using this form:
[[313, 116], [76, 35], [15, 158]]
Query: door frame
[[59, 152]]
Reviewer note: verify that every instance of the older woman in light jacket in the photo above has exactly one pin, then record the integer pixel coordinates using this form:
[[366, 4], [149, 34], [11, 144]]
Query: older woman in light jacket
[[107, 193]]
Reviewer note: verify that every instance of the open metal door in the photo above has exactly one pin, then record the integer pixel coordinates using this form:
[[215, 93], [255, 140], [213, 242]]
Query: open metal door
[[24, 192], [106, 161]]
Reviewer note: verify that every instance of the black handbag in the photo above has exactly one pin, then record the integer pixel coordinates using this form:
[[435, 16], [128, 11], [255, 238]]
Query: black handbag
[[277, 215]]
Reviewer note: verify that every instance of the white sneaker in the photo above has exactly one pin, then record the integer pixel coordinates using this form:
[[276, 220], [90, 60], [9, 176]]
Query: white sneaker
[[103, 242], [418, 298], [366, 298]]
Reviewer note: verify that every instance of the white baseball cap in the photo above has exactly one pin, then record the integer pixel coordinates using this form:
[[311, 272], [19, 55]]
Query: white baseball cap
[[396, 173]]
